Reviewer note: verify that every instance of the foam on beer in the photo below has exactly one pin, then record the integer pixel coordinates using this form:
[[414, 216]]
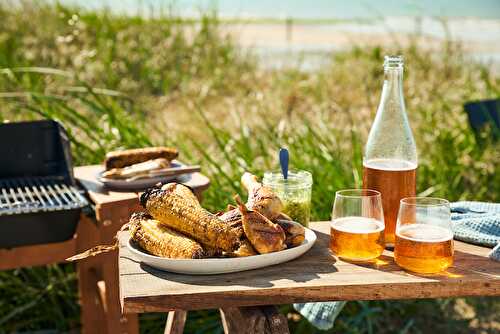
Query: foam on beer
[[424, 233], [361, 225], [390, 164]]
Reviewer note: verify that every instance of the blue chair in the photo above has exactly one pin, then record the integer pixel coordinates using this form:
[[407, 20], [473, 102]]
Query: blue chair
[[484, 113]]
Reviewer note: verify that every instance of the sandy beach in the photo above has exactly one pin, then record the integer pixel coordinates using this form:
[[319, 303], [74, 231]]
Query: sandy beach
[[281, 44]]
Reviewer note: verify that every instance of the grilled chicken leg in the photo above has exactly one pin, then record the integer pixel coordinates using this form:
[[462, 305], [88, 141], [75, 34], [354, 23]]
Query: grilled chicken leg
[[261, 198], [264, 235], [294, 232]]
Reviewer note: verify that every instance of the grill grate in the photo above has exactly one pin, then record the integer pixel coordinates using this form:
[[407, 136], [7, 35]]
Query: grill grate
[[38, 194]]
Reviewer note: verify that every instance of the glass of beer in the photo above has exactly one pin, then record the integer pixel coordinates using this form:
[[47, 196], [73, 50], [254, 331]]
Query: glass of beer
[[357, 227], [424, 238]]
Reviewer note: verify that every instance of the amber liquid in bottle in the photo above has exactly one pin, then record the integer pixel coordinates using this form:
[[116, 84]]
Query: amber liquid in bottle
[[394, 179]]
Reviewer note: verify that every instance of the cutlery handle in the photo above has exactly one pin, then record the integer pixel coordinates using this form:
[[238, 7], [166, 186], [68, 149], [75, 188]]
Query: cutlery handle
[[284, 162], [167, 172]]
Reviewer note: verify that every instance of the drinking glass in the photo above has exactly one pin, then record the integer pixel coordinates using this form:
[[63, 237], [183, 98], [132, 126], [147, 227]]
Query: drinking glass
[[424, 237], [357, 227]]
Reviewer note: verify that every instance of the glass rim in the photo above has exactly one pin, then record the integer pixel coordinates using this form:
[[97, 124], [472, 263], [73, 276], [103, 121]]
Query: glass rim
[[393, 61], [420, 201], [305, 181], [358, 193]]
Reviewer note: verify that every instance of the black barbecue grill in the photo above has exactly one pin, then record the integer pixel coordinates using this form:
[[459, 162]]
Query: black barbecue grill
[[39, 200]]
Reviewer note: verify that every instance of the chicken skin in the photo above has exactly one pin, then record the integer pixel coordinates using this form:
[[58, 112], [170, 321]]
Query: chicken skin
[[264, 235]]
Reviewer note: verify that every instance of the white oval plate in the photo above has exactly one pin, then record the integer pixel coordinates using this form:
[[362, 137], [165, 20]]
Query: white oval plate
[[140, 183], [222, 265]]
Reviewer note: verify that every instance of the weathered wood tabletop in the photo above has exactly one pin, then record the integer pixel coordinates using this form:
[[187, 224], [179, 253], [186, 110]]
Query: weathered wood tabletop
[[315, 276]]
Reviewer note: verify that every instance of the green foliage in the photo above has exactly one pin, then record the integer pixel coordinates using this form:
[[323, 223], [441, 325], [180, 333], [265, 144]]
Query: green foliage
[[178, 82]]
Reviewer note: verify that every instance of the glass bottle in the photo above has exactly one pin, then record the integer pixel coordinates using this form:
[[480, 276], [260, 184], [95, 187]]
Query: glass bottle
[[390, 157]]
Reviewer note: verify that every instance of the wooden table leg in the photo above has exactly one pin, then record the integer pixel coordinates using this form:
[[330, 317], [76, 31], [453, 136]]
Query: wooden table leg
[[116, 322], [253, 319], [92, 311], [175, 322]]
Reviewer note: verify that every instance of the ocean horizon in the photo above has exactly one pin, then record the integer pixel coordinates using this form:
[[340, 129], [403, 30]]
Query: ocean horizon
[[288, 32], [302, 9]]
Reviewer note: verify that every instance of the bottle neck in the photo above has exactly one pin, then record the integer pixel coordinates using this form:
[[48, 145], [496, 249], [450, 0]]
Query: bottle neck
[[390, 136], [393, 83]]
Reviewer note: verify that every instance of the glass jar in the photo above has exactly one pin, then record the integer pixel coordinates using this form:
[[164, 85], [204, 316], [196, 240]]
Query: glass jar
[[294, 192]]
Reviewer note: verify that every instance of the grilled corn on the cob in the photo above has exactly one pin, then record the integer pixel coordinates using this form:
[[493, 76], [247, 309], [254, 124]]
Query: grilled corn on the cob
[[175, 206], [162, 241], [119, 159]]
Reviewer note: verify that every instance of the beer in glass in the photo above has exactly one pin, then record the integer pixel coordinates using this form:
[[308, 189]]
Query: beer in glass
[[424, 238], [357, 227], [390, 157]]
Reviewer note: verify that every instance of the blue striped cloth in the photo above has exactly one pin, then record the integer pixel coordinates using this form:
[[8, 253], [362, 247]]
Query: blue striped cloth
[[476, 222], [473, 222]]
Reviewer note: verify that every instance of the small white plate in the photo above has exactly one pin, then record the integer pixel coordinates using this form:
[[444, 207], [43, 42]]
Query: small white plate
[[222, 265], [140, 183]]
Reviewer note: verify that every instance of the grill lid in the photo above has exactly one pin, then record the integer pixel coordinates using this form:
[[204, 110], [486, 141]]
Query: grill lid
[[35, 148], [38, 194]]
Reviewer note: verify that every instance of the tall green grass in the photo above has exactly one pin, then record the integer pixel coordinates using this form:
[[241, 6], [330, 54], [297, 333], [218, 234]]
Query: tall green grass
[[130, 82]]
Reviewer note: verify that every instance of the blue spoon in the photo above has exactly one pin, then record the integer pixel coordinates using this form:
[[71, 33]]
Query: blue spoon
[[284, 162]]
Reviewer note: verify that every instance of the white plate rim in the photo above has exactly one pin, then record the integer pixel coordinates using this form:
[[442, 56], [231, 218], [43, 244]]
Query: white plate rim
[[310, 239]]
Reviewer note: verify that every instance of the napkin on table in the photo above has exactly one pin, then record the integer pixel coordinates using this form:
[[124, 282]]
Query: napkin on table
[[477, 223]]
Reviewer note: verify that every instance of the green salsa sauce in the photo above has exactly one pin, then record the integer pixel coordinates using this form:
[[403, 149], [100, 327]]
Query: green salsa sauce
[[299, 211]]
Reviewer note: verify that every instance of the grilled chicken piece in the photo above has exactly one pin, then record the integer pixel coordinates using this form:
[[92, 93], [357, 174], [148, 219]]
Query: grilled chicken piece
[[175, 206], [264, 235], [294, 232], [245, 249], [142, 168], [161, 240], [260, 198], [283, 216], [232, 217], [119, 159]]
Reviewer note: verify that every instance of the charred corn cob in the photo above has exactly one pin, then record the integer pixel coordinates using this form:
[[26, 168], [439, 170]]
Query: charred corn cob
[[175, 206], [162, 241], [119, 159]]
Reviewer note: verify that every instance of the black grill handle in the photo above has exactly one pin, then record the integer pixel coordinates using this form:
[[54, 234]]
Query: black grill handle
[[66, 146]]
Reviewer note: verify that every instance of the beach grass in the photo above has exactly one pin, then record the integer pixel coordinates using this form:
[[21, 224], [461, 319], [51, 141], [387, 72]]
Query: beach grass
[[119, 82]]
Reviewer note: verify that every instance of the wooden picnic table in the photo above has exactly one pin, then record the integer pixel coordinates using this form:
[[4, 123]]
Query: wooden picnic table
[[315, 276]]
